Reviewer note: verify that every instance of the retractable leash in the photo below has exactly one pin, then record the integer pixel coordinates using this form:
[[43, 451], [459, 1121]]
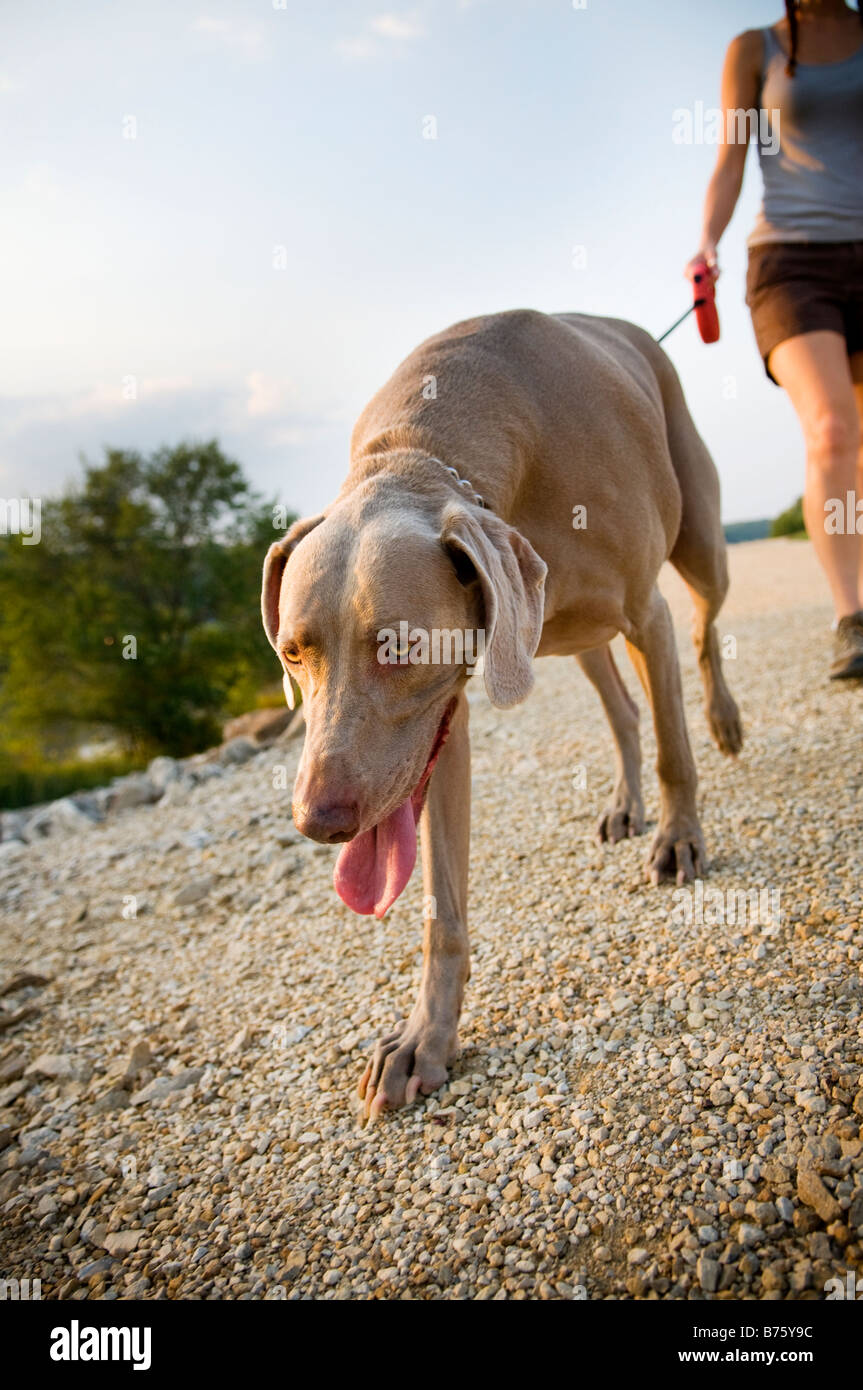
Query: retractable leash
[[704, 304]]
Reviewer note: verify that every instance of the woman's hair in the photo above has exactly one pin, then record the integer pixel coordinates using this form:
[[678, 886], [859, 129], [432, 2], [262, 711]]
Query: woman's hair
[[791, 13]]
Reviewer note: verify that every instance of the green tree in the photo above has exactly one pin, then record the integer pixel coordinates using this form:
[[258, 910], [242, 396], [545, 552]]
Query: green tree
[[137, 612], [790, 522]]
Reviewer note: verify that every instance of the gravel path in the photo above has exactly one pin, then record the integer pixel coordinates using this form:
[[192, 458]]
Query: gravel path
[[644, 1106]]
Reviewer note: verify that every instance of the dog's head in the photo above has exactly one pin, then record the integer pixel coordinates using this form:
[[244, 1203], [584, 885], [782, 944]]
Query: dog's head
[[379, 612]]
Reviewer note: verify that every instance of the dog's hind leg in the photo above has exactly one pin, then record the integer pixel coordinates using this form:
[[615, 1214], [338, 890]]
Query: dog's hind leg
[[624, 814], [677, 852], [723, 716], [699, 557]]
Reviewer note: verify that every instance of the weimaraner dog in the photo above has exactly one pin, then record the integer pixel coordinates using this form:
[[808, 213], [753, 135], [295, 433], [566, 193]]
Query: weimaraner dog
[[523, 476]]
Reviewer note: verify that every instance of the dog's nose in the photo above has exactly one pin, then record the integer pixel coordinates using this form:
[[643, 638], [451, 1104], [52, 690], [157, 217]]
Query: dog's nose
[[330, 823]]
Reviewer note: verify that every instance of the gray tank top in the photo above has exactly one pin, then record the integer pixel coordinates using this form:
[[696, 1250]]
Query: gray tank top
[[813, 183]]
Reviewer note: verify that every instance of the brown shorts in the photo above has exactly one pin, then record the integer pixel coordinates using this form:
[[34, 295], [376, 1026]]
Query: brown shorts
[[802, 287]]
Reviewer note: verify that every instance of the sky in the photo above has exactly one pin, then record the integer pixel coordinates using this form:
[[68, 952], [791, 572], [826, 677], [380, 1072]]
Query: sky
[[229, 220]]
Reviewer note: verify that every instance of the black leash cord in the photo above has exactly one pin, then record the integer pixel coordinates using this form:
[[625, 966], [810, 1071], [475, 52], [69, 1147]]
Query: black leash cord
[[677, 322]]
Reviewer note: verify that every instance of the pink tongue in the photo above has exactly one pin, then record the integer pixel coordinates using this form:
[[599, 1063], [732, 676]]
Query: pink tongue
[[374, 867]]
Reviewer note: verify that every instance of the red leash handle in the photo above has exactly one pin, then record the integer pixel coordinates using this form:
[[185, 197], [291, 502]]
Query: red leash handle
[[704, 292]]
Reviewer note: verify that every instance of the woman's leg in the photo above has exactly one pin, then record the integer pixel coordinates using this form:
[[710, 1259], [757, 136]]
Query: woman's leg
[[815, 370], [857, 378]]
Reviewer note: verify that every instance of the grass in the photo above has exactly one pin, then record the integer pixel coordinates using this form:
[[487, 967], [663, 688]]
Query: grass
[[29, 783]]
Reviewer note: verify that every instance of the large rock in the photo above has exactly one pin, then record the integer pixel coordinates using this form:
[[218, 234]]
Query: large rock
[[814, 1193], [12, 826], [123, 1071], [101, 799], [90, 803], [239, 750], [116, 1098], [28, 979], [241, 1040], [63, 817], [12, 1069], [260, 724], [207, 771], [166, 1085], [176, 793], [163, 771], [195, 890], [9, 1094], [120, 1243], [134, 790], [198, 760], [55, 1066]]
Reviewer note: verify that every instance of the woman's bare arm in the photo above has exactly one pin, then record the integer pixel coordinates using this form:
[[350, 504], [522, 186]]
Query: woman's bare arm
[[741, 85]]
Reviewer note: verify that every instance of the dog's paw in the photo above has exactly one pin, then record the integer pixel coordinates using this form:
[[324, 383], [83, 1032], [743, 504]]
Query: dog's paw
[[677, 854], [410, 1061], [726, 726], [622, 818]]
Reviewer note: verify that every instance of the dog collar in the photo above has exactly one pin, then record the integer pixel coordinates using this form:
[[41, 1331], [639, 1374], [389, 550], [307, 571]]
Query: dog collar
[[466, 486]]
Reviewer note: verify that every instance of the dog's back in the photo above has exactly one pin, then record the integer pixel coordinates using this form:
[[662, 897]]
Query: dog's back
[[522, 400]]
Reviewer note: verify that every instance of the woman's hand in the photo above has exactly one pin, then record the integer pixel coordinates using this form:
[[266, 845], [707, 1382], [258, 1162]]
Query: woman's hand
[[706, 253]]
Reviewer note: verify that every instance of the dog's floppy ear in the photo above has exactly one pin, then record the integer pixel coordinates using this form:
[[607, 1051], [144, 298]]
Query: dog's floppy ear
[[274, 567], [511, 577]]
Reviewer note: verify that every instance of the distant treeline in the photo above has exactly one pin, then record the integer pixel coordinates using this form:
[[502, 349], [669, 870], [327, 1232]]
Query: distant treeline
[[746, 530], [787, 523]]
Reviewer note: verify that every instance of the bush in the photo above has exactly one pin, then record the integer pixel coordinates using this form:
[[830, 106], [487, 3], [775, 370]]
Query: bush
[[790, 522]]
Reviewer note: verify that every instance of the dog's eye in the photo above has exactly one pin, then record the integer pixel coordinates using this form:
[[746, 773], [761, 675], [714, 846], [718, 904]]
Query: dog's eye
[[465, 569]]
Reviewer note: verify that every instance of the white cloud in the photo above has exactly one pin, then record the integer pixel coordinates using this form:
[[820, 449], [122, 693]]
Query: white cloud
[[40, 183], [8, 85], [294, 436], [268, 395], [247, 39], [397, 26], [382, 29], [357, 50], [101, 401]]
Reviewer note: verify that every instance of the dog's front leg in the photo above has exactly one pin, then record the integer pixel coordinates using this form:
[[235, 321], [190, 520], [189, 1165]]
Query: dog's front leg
[[414, 1058]]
